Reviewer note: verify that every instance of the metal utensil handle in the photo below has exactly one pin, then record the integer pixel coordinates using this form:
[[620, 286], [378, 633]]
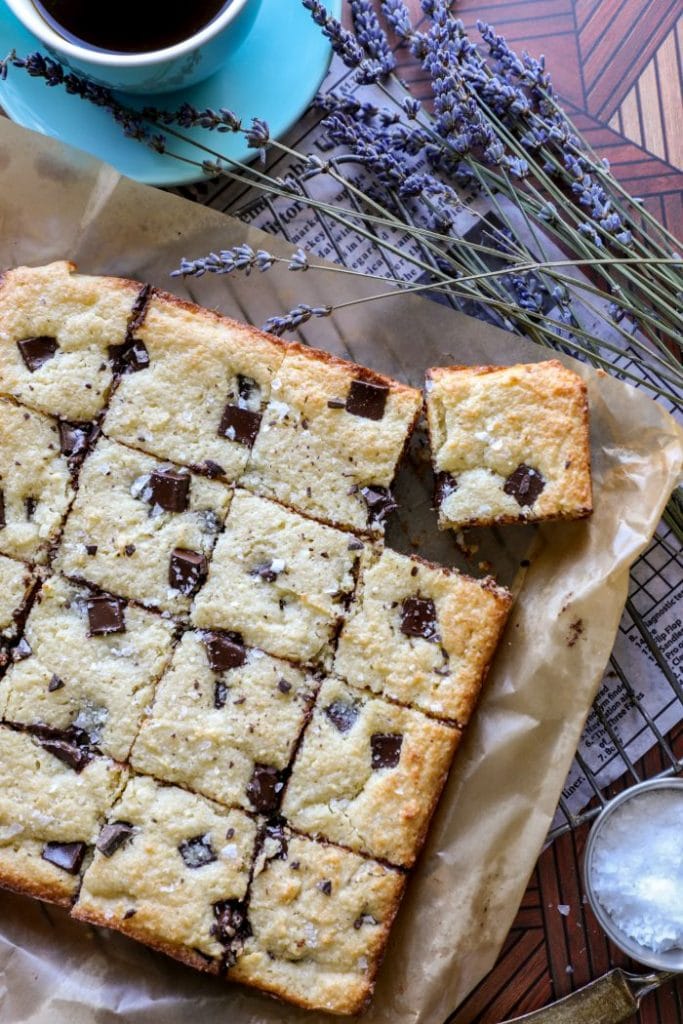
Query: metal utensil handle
[[609, 1000]]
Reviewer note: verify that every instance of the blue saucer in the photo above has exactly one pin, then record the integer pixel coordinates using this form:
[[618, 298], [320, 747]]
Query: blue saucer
[[274, 75]]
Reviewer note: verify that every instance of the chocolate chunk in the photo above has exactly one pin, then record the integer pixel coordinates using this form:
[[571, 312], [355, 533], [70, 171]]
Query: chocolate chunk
[[105, 615], [239, 424], [129, 550], [224, 651], [525, 485], [380, 503], [208, 468], [197, 852], [73, 437], [386, 749], [36, 351], [3, 521], [169, 490], [444, 486], [268, 571], [22, 650], [112, 837], [247, 387], [77, 757], [283, 686], [336, 403], [30, 504], [355, 545], [67, 856], [55, 683], [342, 715], [263, 789], [91, 549], [418, 618], [325, 887], [187, 570], [129, 913], [130, 357], [220, 694], [231, 921], [366, 399]]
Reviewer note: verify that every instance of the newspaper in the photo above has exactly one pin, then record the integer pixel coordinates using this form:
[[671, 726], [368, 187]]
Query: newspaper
[[641, 698]]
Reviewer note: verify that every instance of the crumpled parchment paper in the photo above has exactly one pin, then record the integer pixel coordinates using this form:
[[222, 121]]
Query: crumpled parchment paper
[[493, 818]]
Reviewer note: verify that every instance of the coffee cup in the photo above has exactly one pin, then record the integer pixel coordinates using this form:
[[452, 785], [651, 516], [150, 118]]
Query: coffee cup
[[160, 70]]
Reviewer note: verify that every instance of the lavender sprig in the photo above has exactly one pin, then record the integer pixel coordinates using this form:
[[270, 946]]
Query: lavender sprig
[[239, 258], [346, 46], [297, 316]]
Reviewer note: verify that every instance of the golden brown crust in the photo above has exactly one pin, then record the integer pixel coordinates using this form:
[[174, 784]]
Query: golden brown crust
[[181, 953], [17, 881]]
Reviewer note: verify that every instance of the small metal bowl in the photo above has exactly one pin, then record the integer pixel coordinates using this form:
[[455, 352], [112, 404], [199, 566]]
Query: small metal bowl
[[672, 959]]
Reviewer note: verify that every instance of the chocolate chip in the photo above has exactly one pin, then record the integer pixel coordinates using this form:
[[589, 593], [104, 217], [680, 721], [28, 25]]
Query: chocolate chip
[[366, 399], [3, 521], [247, 387], [295, 865], [239, 424], [30, 504], [197, 852], [169, 490], [231, 921], [364, 919], [380, 503], [129, 913], [524, 485], [325, 887], [220, 694], [264, 788], [268, 571], [55, 683], [67, 856], [385, 749], [208, 468], [355, 545], [283, 686], [131, 356], [22, 650], [223, 651], [342, 715], [112, 837], [187, 570], [418, 618], [129, 550], [444, 486], [105, 615], [91, 549], [336, 403], [70, 753], [36, 351], [73, 437]]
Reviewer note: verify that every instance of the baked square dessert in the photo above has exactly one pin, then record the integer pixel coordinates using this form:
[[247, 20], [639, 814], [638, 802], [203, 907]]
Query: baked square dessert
[[200, 399], [319, 918], [35, 482], [86, 667], [53, 798], [58, 332], [330, 439], [225, 721], [509, 444], [421, 634], [17, 582], [141, 528], [278, 579], [170, 869], [368, 774]]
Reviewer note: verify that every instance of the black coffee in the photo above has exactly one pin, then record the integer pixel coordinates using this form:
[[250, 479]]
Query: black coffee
[[128, 26]]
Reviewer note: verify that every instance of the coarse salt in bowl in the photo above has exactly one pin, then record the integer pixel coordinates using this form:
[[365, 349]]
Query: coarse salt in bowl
[[633, 872]]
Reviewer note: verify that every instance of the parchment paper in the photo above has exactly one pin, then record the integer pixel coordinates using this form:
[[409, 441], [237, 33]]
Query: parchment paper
[[500, 799]]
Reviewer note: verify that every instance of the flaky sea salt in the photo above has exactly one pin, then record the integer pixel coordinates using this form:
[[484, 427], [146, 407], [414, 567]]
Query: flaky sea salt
[[637, 869]]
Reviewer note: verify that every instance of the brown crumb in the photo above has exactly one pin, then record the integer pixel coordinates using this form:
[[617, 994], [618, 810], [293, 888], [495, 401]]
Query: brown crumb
[[575, 631]]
